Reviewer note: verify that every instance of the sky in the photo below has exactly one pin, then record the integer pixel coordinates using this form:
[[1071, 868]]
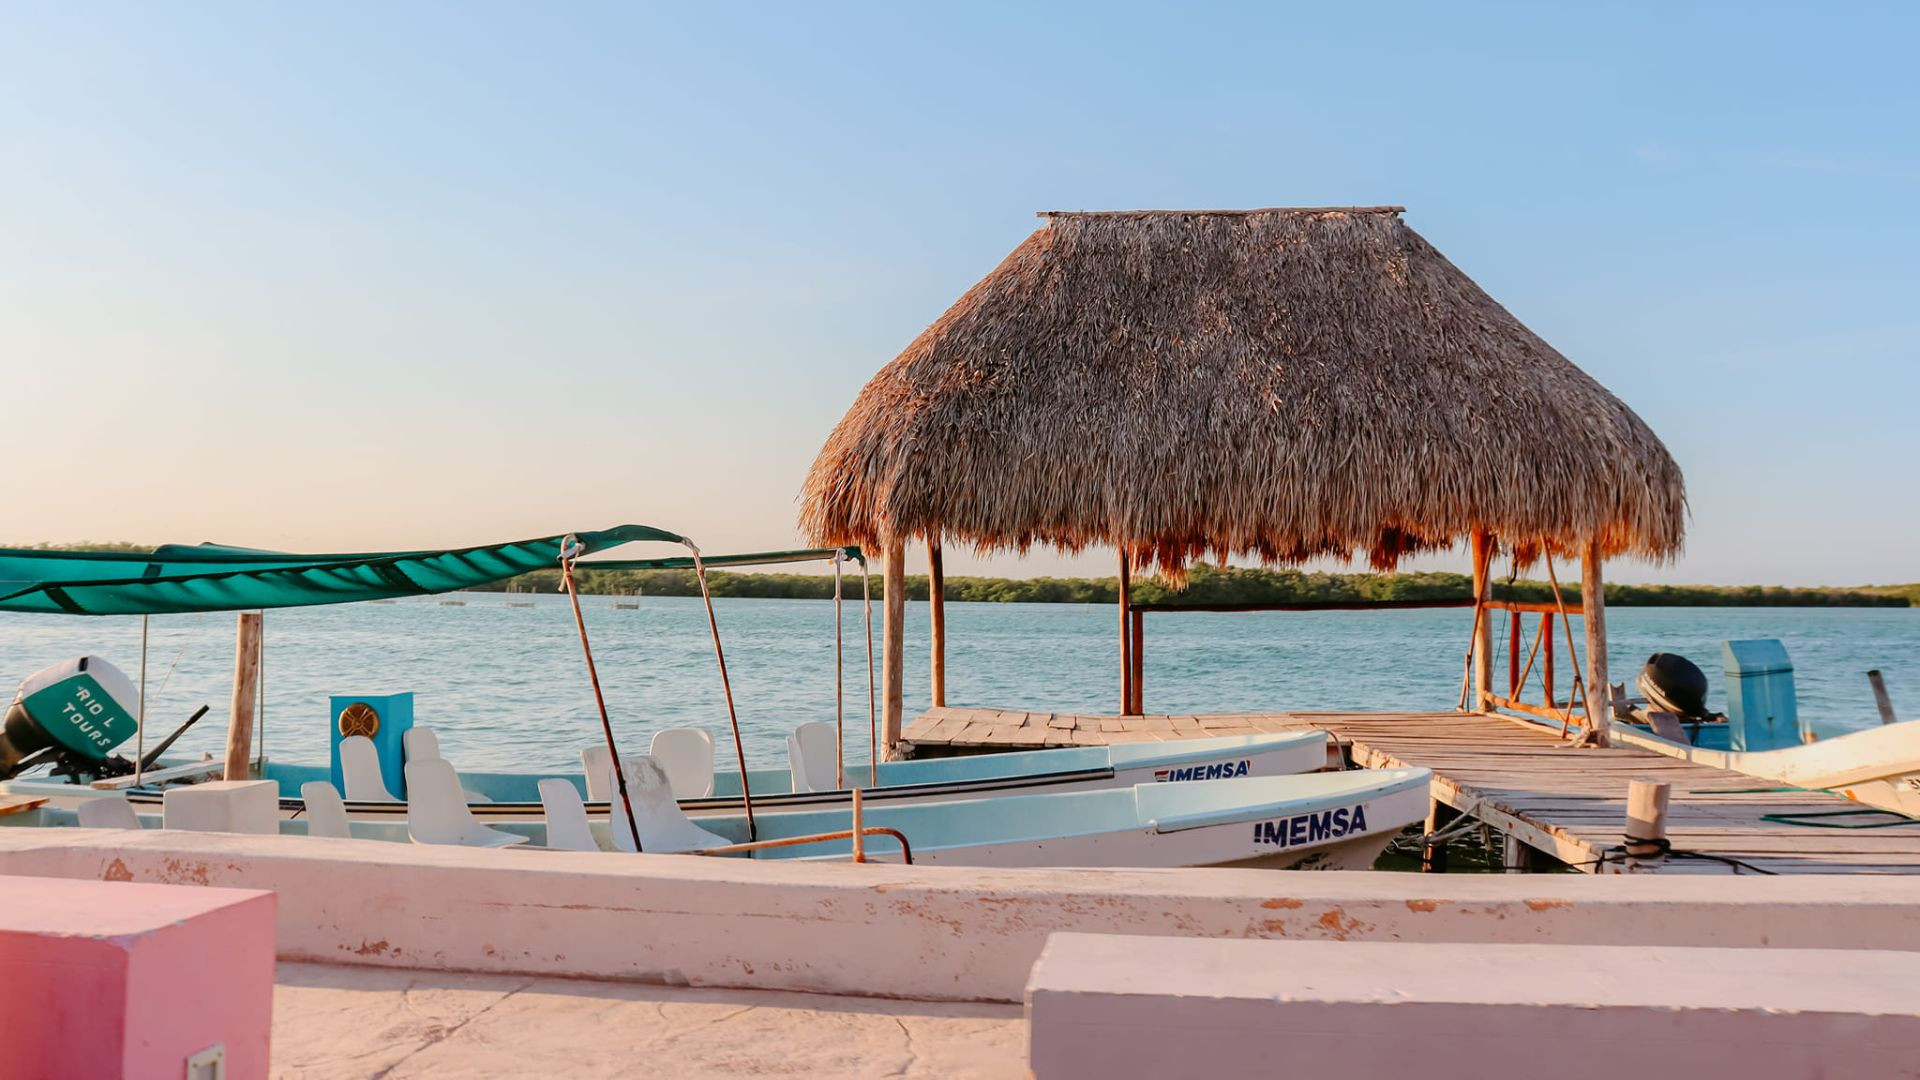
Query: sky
[[357, 276]]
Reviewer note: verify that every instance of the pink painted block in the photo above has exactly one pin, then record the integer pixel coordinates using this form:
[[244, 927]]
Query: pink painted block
[[1103, 1005], [122, 979]]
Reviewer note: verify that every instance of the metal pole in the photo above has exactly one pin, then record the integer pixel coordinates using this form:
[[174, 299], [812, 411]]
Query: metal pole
[[260, 718], [839, 691], [140, 727], [873, 714], [733, 718], [569, 550]]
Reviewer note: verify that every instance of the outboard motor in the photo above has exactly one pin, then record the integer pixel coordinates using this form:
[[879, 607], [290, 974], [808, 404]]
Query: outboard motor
[[76, 711], [1674, 684]]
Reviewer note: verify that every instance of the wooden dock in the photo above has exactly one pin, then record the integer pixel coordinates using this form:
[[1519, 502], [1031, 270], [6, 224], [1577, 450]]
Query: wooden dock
[[1539, 791]]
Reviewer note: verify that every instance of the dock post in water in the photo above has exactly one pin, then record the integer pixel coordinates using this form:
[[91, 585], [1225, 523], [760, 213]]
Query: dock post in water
[[1482, 622], [1880, 698], [1647, 819], [1593, 608], [1126, 636], [937, 616], [893, 620], [246, 682]]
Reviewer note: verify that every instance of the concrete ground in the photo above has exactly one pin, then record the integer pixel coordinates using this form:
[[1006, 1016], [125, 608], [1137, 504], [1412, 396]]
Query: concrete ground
[[359, 1022]]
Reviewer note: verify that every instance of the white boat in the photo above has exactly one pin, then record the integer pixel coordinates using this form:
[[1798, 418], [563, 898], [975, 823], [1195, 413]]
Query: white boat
[[514, 796], [1878, 767], [1321, 821]]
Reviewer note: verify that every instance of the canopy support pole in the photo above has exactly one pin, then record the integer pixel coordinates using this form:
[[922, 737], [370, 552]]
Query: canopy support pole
[[839, 687], [937, 613], [892, 627], [1139, 628], [873, 738], [1482, 623], [1593, 605], [140, 729], [1126, 635], [569, 550], [260, 702], [726, 687], [246, 679]]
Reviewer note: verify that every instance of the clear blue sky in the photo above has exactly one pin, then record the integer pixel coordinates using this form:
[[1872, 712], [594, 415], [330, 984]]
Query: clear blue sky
[[353, 274]]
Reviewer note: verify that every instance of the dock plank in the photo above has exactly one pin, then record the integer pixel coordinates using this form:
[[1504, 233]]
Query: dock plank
[[1520, 777]]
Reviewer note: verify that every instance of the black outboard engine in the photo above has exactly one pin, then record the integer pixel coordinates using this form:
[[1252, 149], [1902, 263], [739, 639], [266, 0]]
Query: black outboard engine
[[1675, 684], [76, 712]]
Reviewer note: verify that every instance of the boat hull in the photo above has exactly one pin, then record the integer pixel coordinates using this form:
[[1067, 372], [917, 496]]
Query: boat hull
[[1878, 767]]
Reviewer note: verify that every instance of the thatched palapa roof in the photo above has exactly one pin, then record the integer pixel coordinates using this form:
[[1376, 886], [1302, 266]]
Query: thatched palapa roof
[[1284, 383]]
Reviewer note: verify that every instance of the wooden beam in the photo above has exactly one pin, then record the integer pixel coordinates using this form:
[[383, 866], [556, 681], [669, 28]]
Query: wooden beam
[[893, 625], [1593, 604], [1126, 637], [1483, 621], [937, 614], [1139, 663], [246, 688]]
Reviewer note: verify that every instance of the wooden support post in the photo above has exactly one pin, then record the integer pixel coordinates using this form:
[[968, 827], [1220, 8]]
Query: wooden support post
[[937, 614], [1515, 856], [1880, 698], [1593, 607], [1483, 621], [893, 627], [1139, 663], [1646, 819], [859, 837], [246, 684], [1546, 651], [1433, 857], [1513, 656], [1126, 635]]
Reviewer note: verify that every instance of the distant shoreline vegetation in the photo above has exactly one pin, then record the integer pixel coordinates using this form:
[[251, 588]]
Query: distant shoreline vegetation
[[1206, 584], [1211, 585]]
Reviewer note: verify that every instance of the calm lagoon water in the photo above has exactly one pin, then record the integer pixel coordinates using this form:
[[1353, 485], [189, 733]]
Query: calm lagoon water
[[507, 688]]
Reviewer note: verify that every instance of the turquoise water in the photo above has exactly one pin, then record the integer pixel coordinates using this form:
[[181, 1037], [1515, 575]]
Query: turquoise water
[[507, 688]]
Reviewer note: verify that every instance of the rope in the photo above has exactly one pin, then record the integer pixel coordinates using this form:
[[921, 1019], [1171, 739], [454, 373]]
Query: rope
[[1797, 819], [569, 551], [1664, 848]]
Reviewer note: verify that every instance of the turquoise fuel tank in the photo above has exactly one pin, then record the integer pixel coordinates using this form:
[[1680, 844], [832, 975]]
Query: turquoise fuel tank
[[384, 718], [1761, 709]]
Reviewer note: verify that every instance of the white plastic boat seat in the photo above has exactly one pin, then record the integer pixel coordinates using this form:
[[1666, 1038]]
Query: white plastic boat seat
[[360, 771], [596, 762], [810, 757], [422, 744], [1110, 1005], [437, 810], [664, 828], [326, 814], [567, 827], [234, 806], [687, 756], [107, 812]]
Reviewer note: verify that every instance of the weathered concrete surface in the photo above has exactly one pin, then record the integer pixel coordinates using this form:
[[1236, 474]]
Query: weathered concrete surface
[[348, 1022], [1130, 1006], [945, 933]]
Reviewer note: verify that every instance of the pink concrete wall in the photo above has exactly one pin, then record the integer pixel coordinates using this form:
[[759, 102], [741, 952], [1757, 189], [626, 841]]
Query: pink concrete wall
[[102, 979], [921, 932], [1102, 1005]]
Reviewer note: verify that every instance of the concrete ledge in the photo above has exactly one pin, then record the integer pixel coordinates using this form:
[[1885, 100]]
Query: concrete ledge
[[129, 980], [946, 933], [1129, 1006]]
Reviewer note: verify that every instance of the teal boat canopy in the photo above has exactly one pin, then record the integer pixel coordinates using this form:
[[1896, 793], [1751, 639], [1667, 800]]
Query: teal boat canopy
[[177, 578], [751, 558]]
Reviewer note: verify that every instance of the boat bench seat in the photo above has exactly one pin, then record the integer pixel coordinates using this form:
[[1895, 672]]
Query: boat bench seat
[[1110, 1005]]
